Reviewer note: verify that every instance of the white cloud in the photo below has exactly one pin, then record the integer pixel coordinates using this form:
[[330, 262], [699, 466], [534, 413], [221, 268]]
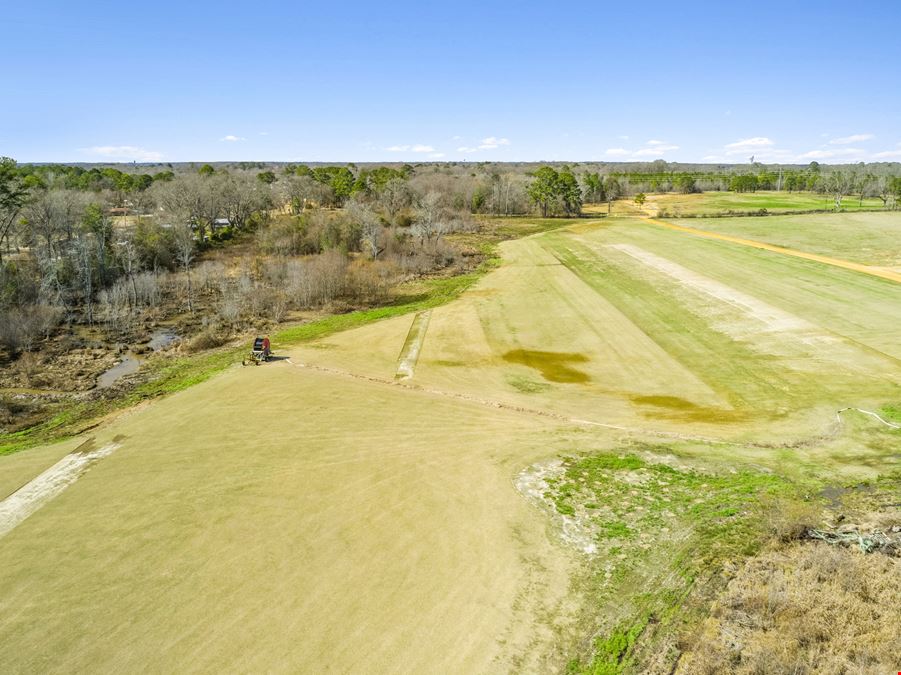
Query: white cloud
[[410, 148], [646, 152], [232, 138], [492, 143], [827, 154], [264, 133], [655, 149], [713, 158], [887, 154], [125, 153], [436, 155], [855, 138], [623, 138], [744, 145]]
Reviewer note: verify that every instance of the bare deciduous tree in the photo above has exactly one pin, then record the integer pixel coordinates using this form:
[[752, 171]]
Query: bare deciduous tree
[[395, 197], [184, 252], [839, 184], [240, 196], [372, 233], [428, 223], [129, 261]]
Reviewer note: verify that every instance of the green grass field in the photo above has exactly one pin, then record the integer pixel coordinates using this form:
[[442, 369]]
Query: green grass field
[[720, 202], [867, 238], [316, 514]]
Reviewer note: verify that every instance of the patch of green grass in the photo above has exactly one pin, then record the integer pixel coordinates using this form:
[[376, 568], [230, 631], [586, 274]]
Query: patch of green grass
[[595, 463], [614, 530], [891, 412], [612, 652], [527, 386]]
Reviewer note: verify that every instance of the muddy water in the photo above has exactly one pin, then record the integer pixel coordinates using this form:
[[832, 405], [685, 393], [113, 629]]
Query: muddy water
[[131, 362], [128, 365], [162, 339]]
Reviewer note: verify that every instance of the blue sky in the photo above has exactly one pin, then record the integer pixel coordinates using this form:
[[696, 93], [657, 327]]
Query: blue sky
[[352, 81]]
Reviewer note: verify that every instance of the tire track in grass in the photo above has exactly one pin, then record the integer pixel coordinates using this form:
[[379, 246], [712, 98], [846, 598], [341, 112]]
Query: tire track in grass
[[48, 485]]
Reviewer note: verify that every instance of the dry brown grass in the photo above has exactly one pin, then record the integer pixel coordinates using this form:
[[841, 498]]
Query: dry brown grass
[[209, 338], [788, 520], [805, 608]]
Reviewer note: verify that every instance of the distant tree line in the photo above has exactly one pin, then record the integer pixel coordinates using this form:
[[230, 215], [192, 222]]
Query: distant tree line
[[69, 234]]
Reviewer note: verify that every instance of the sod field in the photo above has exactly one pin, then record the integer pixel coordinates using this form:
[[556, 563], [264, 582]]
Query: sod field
[[372, 501], [866, 238], [676, 204]]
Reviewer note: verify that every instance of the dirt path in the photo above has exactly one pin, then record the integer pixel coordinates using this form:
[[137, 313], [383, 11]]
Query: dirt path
[[882, 273]]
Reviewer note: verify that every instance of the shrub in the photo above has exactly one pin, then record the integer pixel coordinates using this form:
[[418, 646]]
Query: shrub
[[789, 520], [807, 608], [21, 327], [210, 337]]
